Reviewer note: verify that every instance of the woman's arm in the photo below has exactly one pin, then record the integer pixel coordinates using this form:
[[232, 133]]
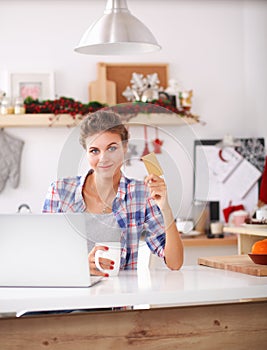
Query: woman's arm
[[173, 246], [174, 251]]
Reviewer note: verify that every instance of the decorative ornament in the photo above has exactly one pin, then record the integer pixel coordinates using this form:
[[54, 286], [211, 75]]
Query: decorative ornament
[[173, 89], [143, 89], [185, 98], [77, 109], [157, 143], [146, 149]]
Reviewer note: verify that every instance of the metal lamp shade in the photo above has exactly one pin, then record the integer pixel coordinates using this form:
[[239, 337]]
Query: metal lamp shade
[[117, 32]]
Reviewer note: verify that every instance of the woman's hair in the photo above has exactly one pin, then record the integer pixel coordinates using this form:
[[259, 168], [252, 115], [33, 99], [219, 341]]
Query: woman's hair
[[102, 121]]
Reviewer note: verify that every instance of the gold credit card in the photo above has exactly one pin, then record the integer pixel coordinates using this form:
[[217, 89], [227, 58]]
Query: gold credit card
[[152, 164]]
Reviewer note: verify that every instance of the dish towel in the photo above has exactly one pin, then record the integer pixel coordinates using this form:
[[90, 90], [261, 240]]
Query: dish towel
[[10, 159]]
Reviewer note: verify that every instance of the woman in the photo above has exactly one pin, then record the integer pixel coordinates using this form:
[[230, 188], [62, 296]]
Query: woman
[[133, 206]]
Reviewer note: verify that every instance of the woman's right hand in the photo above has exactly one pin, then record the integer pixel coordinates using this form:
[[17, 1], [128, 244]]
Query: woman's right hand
[[106, 264]]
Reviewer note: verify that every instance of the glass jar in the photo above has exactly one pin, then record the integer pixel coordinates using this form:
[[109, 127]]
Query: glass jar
[[19, 107], [6, 106]]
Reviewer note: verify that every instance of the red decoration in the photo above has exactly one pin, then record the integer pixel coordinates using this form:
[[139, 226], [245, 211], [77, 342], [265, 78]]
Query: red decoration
[[263, 186], [227, 211], [146, 150], [157, 143], [66, 105]]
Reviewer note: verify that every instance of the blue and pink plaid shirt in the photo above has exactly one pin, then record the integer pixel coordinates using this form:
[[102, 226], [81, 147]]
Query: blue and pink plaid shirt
[[135, 211]]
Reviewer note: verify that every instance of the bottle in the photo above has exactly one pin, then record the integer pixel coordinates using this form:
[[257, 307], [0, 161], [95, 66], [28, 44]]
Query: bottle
[[6, 106], [19, 107]]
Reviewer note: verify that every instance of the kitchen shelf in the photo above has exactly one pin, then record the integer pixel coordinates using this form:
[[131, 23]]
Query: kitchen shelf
[[48, 120], [203, 241]]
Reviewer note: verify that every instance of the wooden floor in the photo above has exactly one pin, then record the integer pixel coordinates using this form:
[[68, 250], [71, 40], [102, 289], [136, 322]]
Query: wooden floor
[[231, 326]]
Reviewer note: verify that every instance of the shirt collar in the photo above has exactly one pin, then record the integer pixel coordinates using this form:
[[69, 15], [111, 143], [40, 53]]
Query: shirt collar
[[78, 193], [121, 189]]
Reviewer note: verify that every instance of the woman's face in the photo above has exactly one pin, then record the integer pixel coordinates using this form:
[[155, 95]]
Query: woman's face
[[105, 153]]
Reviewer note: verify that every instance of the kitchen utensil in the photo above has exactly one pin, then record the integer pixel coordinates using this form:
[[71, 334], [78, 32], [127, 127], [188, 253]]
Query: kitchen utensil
[[102, 90]]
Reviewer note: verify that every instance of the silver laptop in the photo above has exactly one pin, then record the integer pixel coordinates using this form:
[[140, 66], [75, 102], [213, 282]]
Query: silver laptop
[[44, 250]]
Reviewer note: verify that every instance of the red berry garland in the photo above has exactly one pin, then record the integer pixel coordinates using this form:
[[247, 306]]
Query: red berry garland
[[65, 105]]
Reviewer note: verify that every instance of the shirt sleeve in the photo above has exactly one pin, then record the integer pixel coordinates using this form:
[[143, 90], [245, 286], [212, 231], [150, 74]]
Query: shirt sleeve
[[52, 200]]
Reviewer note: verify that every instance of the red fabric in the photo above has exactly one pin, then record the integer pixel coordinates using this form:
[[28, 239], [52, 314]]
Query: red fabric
[[263, 186], [227, 211]]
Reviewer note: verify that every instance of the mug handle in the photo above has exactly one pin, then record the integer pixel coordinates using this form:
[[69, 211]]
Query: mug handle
[[99, 254]]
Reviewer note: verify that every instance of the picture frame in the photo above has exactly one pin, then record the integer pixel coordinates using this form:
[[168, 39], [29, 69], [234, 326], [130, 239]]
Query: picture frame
[[39, 86]]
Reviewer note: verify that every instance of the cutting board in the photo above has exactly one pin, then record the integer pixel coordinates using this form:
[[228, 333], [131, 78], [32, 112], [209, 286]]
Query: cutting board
[[237, 263], [102, 90]]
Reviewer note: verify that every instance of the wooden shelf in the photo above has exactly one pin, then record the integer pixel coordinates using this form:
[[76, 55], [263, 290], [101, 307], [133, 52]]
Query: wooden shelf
[[36, 120], [162, 119], [46, 120]]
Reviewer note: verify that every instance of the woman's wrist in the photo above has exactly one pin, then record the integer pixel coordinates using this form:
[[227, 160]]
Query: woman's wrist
[[167, 217]]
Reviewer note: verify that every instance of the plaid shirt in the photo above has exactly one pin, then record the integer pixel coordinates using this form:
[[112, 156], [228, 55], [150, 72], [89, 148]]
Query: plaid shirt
[[135, 211]]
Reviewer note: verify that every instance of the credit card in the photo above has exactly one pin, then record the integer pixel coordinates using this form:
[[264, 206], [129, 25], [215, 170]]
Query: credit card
[[152, 164]]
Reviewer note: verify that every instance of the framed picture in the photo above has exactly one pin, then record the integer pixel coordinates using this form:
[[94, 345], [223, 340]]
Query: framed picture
[[36, 85]]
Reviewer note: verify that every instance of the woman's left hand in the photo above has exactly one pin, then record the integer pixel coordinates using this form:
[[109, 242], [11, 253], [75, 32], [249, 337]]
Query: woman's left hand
[[158, 190]]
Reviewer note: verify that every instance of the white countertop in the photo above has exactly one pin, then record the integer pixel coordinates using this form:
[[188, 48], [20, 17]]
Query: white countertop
[[192, 285]]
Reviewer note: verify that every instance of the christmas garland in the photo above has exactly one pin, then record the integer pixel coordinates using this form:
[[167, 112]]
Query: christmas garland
[[63, 105], [66, 105]]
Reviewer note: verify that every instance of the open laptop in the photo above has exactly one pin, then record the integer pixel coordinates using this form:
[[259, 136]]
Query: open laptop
[[44, 250]]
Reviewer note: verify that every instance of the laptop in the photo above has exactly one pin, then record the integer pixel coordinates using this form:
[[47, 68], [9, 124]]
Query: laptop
[[44, 250]]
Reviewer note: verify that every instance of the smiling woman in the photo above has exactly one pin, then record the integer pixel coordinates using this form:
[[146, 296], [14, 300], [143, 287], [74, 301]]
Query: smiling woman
[[130, 206]]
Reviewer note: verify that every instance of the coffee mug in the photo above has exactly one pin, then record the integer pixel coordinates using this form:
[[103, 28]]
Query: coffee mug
[[113, 253], [239, 217], [216, 228], [184, 226], [261, 214]]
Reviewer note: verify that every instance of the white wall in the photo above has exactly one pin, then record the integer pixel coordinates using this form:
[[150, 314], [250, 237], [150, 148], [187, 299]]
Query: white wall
[[217, 48]]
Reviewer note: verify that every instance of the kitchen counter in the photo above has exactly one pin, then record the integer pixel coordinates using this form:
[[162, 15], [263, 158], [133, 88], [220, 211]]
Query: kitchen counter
[[182, 308], [192, 285]]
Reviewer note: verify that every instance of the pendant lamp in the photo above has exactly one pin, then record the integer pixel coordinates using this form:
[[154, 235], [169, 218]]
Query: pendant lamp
[[117, 32]]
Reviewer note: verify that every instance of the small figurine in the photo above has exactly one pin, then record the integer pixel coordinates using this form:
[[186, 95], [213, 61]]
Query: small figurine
[[173, 89], [185, 98]]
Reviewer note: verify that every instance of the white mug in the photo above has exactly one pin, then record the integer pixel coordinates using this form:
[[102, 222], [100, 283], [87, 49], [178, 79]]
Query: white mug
[[261, 214], [216, 227], [113, 253], [184, 226]]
